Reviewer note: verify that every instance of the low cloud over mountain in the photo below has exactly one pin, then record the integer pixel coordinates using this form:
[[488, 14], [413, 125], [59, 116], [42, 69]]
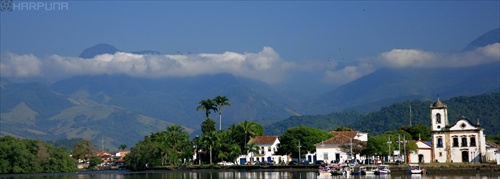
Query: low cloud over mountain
[[265, 65]]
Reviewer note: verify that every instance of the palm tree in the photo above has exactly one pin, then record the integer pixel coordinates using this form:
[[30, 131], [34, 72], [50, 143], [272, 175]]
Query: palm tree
[[207, 105], [208, 126], [210, 140], [221, 101]]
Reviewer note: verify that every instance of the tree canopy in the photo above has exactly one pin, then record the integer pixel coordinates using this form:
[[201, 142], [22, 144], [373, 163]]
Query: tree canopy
[[306, 135]]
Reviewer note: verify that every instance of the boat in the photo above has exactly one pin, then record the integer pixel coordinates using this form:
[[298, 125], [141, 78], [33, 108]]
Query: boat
[[370, 169], [414, 169], [366, 170], [324, 171], [383, 170]]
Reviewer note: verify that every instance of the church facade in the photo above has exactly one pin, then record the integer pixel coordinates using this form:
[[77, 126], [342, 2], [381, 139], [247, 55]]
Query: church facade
[[462, 141]]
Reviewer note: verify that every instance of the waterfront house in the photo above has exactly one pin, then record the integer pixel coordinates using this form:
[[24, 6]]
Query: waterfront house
[[267, 148]]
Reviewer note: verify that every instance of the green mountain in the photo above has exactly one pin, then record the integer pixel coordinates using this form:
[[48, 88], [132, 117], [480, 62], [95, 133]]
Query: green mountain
[[32, 110], [484, 109]]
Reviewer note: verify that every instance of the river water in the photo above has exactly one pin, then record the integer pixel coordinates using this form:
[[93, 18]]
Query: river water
[[220, 174]]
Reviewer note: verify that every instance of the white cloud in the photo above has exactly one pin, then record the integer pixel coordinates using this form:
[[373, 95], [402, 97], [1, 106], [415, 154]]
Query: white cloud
[[403, 58], [265, 65], [20, 65], [400, 58]]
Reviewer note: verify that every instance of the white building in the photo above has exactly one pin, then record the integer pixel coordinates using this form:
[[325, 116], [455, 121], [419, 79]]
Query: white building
[[459, 142], [331, 149], [268, 146], [423, 153]]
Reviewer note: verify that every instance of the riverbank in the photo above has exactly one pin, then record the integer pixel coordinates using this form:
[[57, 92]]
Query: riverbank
[[432, 167]]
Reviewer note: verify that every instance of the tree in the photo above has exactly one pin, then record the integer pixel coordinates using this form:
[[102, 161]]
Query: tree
[[122, 147], [356, 147], [208, 126], [207, 105], [209, 140], [94, 161], [306, 135], [221, 101], [179, 143], [83, 150], [342, 128], [33, 156], [245, 131], [418, 132]]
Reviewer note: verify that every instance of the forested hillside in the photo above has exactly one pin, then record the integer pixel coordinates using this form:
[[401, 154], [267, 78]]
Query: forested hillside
[[483, 108]]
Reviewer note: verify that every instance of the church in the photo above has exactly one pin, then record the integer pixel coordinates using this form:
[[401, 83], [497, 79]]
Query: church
[[462, 141]]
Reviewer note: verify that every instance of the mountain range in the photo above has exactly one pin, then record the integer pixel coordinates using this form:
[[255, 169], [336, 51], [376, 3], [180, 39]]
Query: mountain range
[[120, 109]]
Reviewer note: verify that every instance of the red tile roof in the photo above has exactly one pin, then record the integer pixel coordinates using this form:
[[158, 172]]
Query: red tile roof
[[351, 134], [338, 139], [263, 140]]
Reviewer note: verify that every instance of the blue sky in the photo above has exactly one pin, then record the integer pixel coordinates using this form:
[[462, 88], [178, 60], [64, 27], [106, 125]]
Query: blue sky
[[278, 36]]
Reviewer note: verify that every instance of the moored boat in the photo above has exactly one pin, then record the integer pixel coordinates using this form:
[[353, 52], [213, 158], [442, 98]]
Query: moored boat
[[414, 169], [383, 170]]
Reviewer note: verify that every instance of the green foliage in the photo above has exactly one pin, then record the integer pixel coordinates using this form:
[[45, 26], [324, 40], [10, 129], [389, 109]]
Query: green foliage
[[33, 156], [166, 147], [208, 126], [342, 128], [323, 122], [418, 132], [207, 105], [495, 139], [94, 161], [306, 135], [83, 150]]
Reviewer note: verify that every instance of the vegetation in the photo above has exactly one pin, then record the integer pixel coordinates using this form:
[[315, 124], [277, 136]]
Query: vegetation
[[33, 156], [161, 148], [307, 137], [221, 101]]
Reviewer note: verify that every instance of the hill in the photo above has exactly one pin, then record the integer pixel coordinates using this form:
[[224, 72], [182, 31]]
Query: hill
[[33, 110], [481, 108]]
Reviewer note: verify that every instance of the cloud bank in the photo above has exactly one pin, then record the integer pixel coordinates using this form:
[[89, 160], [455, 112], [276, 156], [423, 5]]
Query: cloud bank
[[265, 65]]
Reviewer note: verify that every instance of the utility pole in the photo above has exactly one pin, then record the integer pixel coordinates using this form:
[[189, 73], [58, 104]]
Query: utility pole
[[351, 148], [298, 146], [410, 113], [404, 147], [399, 146], [389, 144]]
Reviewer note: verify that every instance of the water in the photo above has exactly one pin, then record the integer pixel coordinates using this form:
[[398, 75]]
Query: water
[[235, 174]]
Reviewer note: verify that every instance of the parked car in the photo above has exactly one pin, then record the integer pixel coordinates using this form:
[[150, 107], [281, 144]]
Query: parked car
[[319, 162], [352, 163], [293, 162]]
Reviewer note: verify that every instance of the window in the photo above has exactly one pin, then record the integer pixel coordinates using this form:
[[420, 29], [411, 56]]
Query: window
[[455, 141], [440, 154], [472, 141], [269, 149], [325, 156], [262, 150], [438, 118], [464, 141], [440, 142]]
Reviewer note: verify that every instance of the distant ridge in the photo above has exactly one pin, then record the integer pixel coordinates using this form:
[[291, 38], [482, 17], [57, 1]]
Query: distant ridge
[[104, 48], [490, 37]]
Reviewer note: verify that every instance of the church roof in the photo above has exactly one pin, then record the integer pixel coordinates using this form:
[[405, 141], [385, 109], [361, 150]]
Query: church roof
[[438, 104]]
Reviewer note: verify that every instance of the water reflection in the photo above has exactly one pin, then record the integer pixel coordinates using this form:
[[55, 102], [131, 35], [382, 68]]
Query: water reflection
[[214, 174]]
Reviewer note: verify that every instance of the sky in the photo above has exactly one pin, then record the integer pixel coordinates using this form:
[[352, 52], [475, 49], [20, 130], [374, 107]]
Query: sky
[[335, 41]]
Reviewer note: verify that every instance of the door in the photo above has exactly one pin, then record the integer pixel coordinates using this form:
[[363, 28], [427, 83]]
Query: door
[[420, 158], [465, 156]]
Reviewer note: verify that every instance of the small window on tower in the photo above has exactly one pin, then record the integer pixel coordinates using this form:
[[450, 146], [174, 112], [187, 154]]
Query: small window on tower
[[455, 141], [440, 154], [440, 142], [438, 118]]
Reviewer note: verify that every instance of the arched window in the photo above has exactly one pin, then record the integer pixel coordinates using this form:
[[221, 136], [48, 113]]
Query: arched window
[[438, 118], [440, 142], [455, 141], [472, 141], [464, 141]]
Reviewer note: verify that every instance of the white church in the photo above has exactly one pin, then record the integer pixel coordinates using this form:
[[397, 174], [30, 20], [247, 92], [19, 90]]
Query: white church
[[462, 141]]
